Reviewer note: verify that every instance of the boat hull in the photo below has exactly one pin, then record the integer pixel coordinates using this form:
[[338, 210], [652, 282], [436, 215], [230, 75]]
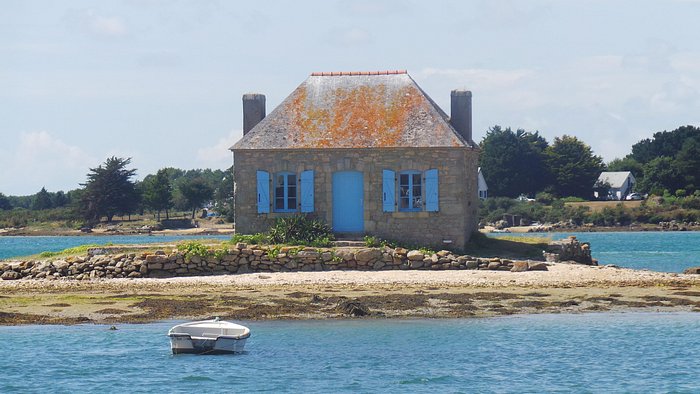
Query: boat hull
[[208, 337], [184, 344]]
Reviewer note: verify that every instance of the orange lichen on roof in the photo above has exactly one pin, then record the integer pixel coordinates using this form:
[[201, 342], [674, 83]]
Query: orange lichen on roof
[[365, 116], [370, 109]]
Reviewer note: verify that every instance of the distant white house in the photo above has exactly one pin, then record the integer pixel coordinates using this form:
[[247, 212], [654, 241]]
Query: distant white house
[[621, 184], [483, 187]]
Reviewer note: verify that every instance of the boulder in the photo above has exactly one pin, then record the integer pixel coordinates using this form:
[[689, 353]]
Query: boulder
[[415, 263], [415, 255], [494, 265], [691, 271], [537, 266], [368, 255], [345, 254], [520, 266], [155, 258], [61, 265], [400, 251], [353, 308], [42, 266], [10, 275], [471, 264]]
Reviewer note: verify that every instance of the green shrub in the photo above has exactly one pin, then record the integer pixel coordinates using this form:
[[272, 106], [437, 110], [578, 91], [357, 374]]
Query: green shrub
[[194, 248], [691, 202], [544, 198], [300, 230], [253, 239], [372, 241]]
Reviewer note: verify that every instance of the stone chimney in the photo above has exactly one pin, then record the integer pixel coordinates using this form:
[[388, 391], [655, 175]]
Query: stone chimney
[[461, 113], [253, 110]]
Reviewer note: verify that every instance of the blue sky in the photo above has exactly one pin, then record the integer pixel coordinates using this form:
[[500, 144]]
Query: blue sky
[[161, 81]]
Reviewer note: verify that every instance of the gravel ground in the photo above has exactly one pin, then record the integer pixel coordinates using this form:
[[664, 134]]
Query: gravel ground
[[345, 294]]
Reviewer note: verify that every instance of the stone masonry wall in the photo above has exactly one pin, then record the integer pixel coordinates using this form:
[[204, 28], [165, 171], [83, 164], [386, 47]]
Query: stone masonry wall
[[457, 183], [101, 263]]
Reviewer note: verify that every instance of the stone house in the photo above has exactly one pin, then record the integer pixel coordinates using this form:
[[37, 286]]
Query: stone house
[[621, 184], [367, 152], [482, 186]]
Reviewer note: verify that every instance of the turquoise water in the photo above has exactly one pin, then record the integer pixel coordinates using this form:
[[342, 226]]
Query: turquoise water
[[25, 246], [630, 352], [656, 251]]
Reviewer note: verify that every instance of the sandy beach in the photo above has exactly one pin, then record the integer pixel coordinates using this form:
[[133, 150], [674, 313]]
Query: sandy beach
[[564, 288]]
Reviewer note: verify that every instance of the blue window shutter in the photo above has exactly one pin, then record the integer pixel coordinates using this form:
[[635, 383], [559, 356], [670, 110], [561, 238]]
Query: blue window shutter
[[307, 191], [431, 190], [388, 190], [263, 192]]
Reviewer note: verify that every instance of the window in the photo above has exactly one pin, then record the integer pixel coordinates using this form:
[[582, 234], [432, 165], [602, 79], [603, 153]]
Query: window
[[410, 191], [286, 192], [287, 195], [418, 191]]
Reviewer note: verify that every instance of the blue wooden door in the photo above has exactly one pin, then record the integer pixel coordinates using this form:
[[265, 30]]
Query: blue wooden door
[[348, 204]]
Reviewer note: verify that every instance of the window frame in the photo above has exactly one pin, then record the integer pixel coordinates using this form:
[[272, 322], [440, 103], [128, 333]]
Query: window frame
[[411, 197], [286, 195]]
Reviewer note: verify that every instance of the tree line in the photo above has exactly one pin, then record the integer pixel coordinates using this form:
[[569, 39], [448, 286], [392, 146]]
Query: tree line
[[524, 163], [110, 190]]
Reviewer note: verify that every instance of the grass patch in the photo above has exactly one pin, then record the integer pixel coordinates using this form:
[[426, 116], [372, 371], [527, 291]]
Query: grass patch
[[81, 249], [508, 246]]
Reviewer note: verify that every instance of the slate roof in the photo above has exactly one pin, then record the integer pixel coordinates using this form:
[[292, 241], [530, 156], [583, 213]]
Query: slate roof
[[616, 179], [354, 110]]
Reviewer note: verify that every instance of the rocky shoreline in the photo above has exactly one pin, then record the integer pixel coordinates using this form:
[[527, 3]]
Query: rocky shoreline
[[244, 282], [563, 288]]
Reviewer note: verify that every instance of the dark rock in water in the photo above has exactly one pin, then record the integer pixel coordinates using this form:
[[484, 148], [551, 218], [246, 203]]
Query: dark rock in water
[[113, 328], [691, 270], [353, 308]]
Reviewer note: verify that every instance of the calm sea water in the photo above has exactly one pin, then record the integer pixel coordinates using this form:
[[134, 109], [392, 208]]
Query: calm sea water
[[25, 246], [629, 352], [656, 251]]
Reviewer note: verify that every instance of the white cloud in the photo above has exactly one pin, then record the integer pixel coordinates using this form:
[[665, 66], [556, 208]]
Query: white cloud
[[349, 36], [92, 22], [41, 159], [107, 25], [39, 147], [609, 101], [479, 77], [218, 155]]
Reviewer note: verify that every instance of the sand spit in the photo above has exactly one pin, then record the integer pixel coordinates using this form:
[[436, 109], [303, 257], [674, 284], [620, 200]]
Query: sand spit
[[564, 288]]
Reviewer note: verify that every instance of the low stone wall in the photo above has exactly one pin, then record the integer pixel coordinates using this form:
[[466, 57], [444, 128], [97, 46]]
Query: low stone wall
[[100, 263]]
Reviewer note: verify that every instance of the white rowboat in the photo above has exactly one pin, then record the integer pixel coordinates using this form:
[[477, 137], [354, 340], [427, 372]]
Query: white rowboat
[[208, 337]]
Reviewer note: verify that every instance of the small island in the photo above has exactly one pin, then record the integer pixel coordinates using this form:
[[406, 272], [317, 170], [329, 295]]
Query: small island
[[242, 281]]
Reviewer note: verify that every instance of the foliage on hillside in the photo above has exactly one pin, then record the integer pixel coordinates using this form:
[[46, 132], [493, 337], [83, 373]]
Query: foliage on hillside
[[666, 164], [651, 211], [523, 163], [110, 190]]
